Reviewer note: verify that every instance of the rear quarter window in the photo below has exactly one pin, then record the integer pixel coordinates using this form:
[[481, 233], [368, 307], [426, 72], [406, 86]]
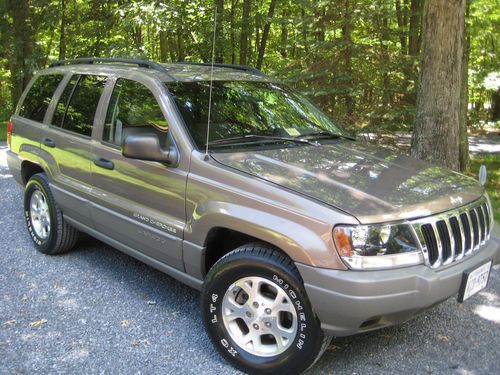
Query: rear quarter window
[[38, 98]]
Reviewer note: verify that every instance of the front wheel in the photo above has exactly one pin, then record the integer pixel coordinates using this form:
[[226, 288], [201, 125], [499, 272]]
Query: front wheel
[[257, 313]]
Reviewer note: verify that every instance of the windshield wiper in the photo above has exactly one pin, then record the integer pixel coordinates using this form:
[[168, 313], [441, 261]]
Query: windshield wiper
[[259, 138], [325, 135]]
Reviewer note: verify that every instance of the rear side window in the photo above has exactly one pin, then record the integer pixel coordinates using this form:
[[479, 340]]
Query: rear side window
[[38, 98], [132, 110], [78, 103]]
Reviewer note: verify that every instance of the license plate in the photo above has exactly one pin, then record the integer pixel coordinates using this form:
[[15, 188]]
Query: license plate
[[473, 281]]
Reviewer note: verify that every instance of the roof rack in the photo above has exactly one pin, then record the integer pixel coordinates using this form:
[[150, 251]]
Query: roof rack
[[92, 60], [151, 64], [233, 66]]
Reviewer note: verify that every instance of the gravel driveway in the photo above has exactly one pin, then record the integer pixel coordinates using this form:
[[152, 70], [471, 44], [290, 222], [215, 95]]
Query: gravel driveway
[[96, 310]]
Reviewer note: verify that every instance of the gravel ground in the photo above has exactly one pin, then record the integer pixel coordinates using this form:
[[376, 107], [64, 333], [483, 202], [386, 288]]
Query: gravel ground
[[96, 310]]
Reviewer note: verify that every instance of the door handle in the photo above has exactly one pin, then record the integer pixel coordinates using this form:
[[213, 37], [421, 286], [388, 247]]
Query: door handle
[[104, 163], [49, 142]]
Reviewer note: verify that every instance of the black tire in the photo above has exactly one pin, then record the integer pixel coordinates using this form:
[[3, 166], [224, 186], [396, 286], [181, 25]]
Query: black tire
[[60, 237], [257, 262]]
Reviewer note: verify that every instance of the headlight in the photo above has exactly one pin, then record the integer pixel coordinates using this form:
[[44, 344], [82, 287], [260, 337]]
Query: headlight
[[368, 247]]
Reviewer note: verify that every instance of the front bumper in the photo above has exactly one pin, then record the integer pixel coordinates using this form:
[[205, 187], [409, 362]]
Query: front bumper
[[349, 302]]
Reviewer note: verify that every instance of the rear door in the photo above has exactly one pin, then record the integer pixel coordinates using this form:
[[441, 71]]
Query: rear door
[[138, 203], [65, 144]]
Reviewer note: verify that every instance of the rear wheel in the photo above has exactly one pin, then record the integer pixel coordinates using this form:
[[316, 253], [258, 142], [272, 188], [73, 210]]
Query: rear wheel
[[258, 315], [46, 225]]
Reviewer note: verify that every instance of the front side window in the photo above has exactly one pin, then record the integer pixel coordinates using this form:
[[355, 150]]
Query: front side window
[[133, 110], [78, 103], [38, 98], [246, 108]]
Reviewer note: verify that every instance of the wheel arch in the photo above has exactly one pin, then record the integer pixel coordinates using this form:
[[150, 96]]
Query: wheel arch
[[224, 227], [28, 169]]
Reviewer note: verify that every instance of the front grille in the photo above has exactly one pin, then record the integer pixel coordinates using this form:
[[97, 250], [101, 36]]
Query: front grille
[[450, 236]]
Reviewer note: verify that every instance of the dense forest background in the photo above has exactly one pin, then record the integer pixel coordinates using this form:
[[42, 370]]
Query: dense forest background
[[357, 59]]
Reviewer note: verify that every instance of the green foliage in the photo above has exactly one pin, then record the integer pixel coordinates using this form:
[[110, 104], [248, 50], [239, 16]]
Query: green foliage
[[3, 131], [492, 163], [356, 59]]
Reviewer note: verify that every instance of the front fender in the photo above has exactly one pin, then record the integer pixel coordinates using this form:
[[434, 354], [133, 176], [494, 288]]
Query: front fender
[[297, 238]]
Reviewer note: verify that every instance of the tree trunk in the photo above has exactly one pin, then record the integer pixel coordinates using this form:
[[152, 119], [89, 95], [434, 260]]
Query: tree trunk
[[495, 105], [180, 44], [464, 100], [163, 46], [20, 68], [137, 38], [265, 34], [415, 17], [320, 16], [234, 4], [384, 38], [436, 130], [245, 30], [304, 29], [347, 41], [62, 35], [284, 33], [219, 32], [401, 28]]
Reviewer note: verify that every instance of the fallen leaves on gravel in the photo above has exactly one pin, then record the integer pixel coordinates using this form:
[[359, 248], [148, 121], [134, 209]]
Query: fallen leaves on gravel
[[151, 302], [124, 323], [144, 342], [9, 322], [333, 348], [443, 338], [38, 323]]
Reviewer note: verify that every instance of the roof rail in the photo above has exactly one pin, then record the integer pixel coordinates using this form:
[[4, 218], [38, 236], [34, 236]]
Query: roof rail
[[233, 66], [92, 60]]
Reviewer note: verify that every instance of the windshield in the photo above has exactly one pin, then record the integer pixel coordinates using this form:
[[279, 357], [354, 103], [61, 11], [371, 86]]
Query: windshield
[[244, 108]]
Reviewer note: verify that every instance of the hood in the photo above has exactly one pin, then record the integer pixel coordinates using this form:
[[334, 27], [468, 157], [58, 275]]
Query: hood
[[369, 182]]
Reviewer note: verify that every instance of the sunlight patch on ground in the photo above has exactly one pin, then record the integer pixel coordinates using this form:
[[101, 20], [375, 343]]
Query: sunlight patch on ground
[[490, 297], [489, 313]]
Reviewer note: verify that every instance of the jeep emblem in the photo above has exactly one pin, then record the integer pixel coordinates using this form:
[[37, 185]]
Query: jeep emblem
[[456, 200]]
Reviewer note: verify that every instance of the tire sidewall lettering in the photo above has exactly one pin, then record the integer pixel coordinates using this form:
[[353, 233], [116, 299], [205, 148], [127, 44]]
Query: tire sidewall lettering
[[213, 311]]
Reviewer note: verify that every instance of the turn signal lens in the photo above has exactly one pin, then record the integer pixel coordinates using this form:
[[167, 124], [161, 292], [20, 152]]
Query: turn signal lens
[[343, 242]]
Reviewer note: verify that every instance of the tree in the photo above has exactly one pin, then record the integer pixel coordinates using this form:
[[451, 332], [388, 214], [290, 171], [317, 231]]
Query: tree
[[22, 45], [219, 30], [245, 31], [436, 130], [265, 34], [62, 32]]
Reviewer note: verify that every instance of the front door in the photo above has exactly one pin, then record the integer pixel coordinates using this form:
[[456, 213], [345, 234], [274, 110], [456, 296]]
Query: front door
[[138, 203]]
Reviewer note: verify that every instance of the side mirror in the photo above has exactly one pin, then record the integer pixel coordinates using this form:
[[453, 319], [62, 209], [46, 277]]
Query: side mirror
[[147, 147]]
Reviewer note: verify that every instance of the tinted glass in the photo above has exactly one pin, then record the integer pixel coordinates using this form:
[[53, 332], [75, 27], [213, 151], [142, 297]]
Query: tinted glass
[[79, 112], [133, 110], [58, 117], [38, 98], [242, 108]]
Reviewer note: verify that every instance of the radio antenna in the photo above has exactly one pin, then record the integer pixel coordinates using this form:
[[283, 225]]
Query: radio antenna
[[211, 81]]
